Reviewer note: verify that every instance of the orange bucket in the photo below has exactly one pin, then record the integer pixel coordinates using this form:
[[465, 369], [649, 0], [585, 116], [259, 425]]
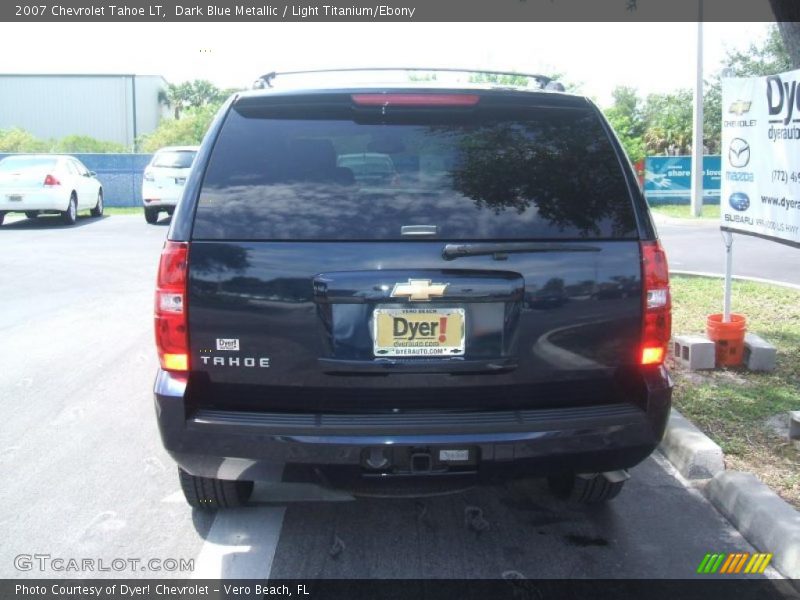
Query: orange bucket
[[728, 338]]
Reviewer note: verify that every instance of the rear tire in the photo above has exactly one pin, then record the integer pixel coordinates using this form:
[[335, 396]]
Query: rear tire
[[211, 494], [585, 489], [70, 215], [151, 215], [31, 214], [97, 211]]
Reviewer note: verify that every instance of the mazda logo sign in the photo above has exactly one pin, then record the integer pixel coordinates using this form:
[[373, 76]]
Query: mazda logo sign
[[738, 153]]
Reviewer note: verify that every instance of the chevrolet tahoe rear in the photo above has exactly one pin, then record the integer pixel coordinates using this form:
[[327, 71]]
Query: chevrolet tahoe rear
[[497, 306]]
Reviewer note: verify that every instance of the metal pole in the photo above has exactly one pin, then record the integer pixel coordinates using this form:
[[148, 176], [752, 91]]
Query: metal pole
[[135, 124], [697, 121], [727, 237]]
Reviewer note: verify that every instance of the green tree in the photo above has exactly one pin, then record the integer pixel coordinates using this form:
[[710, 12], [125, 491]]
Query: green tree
[[515, 80], [188, 130], [19, 140], [204, 93], [520, 80], [669, 123], [767, 58], [84, 143], [664, 122], [573, 87], [194, 94], [712, 116], [178, 97], [625, 116], [788, 17]]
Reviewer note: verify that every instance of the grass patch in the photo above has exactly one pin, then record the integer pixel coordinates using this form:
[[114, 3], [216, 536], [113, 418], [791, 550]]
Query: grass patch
[[732, 406], [123, 210], [681, 211]]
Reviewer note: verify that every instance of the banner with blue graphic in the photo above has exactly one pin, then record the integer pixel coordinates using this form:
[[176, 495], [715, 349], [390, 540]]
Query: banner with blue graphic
[[761, 152], [667, 179]]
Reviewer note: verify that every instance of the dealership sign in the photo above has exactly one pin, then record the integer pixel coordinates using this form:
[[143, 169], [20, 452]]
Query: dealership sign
[[668, 179], [760, 192]]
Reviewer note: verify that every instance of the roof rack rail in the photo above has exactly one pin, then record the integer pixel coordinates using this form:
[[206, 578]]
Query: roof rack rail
[[265, 81]]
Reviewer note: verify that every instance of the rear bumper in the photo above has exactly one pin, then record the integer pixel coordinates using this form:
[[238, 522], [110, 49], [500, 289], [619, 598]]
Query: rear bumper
[[160, 202], [153, 195], [34, 200], [242, 445]]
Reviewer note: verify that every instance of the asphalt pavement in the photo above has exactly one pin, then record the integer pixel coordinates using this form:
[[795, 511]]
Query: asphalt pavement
[[696, 245], [86, 476]]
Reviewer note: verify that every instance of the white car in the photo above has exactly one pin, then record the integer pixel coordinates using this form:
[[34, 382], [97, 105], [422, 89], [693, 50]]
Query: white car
[[164, 178], [48, 183], [369, 168]]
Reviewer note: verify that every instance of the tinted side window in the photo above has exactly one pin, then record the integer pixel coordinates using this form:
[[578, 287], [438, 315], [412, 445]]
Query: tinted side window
[[547, 173]]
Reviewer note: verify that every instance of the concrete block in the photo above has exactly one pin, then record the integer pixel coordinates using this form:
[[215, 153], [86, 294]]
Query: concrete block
[[794, 424], [690, 451], [761, 516], [759, 354], [693, 352]]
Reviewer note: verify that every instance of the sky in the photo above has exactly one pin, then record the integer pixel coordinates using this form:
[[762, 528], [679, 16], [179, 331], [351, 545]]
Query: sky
[[652, 57]]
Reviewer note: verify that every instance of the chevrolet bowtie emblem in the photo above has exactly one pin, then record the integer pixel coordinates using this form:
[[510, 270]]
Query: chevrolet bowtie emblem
[[418, 290], [740, 107]]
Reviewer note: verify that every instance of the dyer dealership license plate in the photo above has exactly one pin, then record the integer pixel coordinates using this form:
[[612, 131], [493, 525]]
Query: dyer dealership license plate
[[418, 331]]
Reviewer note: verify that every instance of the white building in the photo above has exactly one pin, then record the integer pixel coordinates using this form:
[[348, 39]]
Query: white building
[[114, 108]]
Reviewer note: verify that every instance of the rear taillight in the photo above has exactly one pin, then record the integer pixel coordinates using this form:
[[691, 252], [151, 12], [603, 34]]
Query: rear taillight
[[657, 309], [415, 99], [51, 180], [172, 339]]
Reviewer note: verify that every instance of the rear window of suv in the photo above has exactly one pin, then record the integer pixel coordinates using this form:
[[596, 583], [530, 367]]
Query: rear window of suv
[[174, 159], [486, 174]]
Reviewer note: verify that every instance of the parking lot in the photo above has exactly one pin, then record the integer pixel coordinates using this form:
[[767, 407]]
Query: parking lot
[[87, 476]]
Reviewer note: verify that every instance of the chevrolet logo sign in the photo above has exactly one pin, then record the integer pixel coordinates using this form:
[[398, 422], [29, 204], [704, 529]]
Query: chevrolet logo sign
[[418, 290], [740, 107]]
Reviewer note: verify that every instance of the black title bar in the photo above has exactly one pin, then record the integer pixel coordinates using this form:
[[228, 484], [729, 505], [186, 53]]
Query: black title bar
[[364, 589], [273, 11]]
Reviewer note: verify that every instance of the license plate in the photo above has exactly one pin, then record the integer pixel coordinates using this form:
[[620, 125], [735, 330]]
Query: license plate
[[180, 180], [418, 331], [453, 455], [14, 198]]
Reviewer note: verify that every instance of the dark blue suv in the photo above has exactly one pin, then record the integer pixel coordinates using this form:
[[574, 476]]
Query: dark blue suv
[[411, 281]]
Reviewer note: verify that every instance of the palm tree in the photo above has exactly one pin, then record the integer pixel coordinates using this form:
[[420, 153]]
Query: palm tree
[[179, 97]]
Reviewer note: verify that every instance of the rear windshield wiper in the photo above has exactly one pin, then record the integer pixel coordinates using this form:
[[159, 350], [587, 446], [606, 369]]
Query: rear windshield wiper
[[500, 250]]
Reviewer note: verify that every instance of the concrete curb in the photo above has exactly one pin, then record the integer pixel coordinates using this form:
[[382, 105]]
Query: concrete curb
[[768, 522], [760, 515], [693, 453]]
